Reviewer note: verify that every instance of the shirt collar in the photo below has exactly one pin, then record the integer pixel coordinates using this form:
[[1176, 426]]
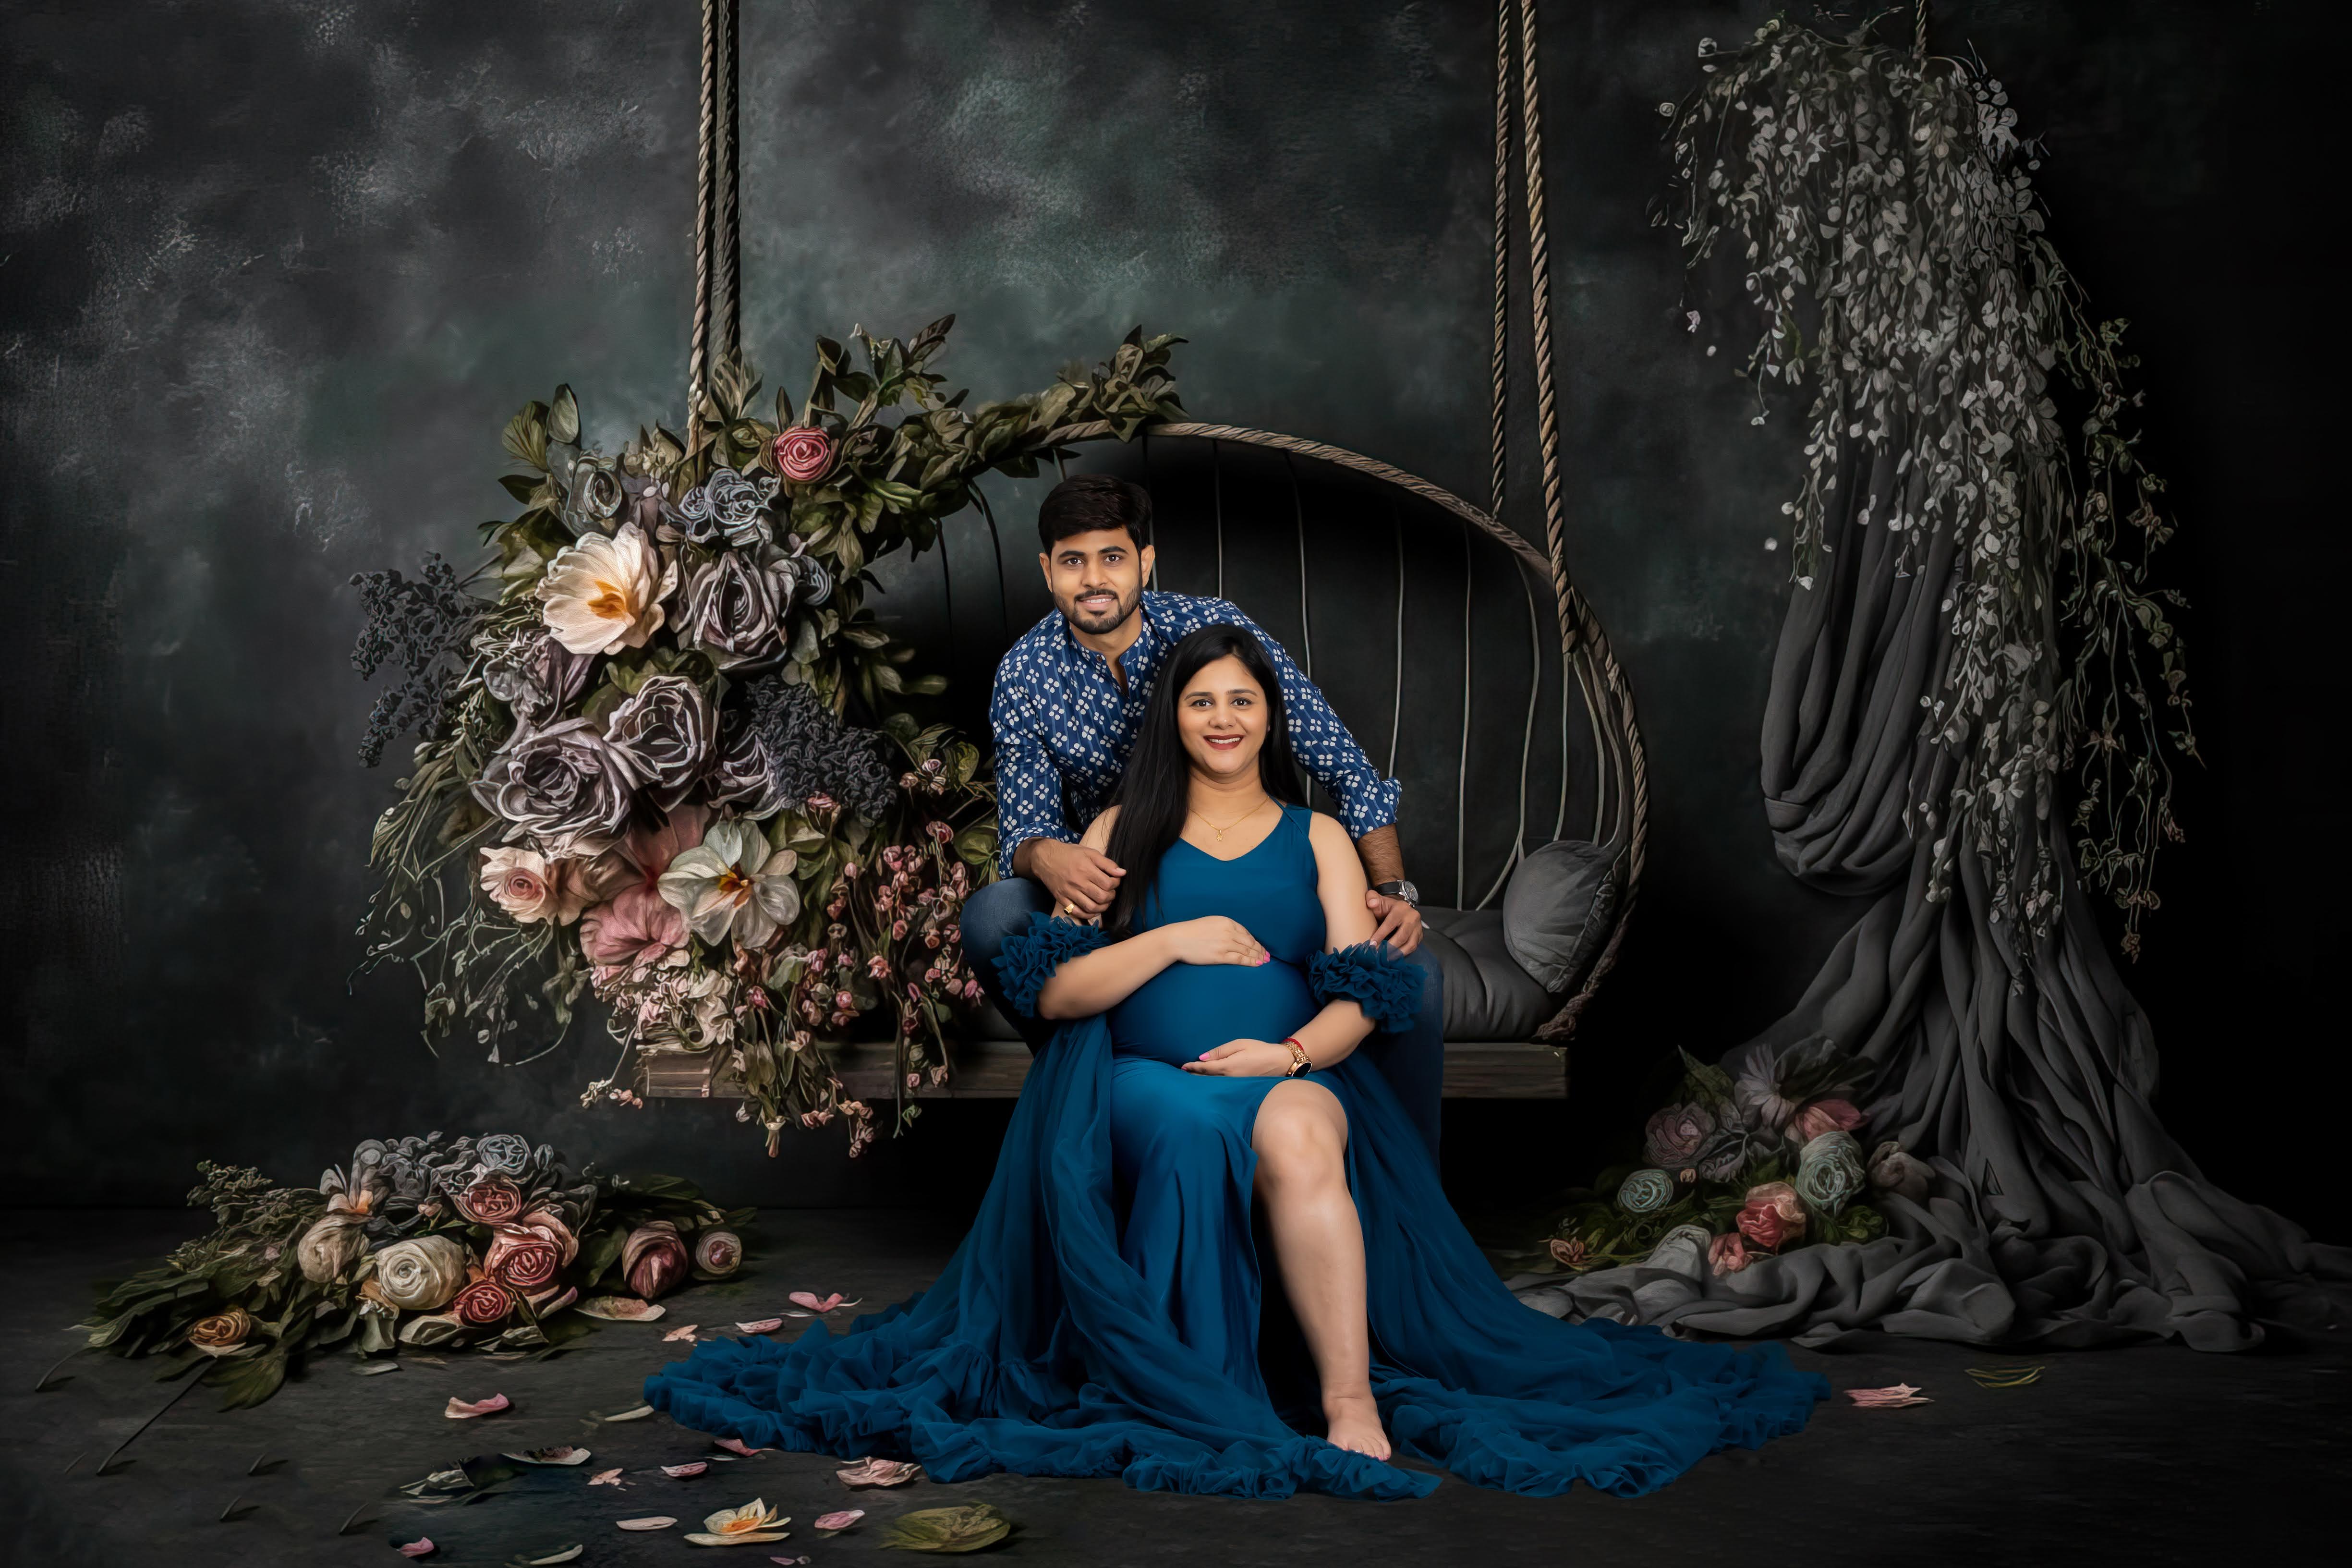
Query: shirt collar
[[1142, 655]]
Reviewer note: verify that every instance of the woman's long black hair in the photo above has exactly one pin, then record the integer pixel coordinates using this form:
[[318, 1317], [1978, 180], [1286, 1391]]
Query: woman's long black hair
[[1154, 796]]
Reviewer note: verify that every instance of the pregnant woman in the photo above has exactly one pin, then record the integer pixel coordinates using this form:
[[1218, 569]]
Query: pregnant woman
[[1200, 1107]]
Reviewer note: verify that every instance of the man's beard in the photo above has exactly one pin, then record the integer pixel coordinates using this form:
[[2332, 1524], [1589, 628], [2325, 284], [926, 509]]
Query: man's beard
[[1096, 624]]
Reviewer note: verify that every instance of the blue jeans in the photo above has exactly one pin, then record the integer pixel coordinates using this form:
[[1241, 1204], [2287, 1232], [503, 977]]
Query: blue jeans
[[1412, 1060]]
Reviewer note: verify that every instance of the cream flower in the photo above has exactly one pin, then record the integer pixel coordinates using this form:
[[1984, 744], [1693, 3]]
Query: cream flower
[[754, 1522], [526, 885], [605, 592], [732, 884]]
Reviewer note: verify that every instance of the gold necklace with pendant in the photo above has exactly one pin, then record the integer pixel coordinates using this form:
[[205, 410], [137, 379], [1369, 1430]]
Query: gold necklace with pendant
[[1236, 822]]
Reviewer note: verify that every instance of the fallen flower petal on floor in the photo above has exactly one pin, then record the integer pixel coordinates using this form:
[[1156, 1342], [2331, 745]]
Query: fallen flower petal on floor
[[1899, 1395], [683, 1331], [562, 1454], [764, 1326], [816, 1304], [754, 1522], [420, 1547], [621, 1309], [833, 1523], [658, 1521], [879, 1473], [679, 1472], [560, 1555], [2005, 1376], [463, 1410], [374, 1368], [788, 1561], [639, 1413], [737, 1445], [611, 1477]]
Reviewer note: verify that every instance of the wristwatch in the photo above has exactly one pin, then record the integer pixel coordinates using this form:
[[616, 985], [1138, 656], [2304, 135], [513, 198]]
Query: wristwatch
[[1400, 888]]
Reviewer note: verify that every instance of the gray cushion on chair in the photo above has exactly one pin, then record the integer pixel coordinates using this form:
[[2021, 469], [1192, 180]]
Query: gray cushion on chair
[[1487, 995], [1556, 911]]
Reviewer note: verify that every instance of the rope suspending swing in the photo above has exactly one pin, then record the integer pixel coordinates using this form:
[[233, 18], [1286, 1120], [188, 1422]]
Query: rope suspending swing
[[1620, 787]]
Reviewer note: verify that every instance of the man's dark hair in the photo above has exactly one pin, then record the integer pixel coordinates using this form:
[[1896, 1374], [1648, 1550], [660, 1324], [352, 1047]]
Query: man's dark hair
[[1091, 502]]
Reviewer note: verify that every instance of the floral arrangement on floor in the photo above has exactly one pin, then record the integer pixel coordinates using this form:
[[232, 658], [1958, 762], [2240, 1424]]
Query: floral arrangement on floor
[[1739, 1168], [489, 1243], [671, 756]]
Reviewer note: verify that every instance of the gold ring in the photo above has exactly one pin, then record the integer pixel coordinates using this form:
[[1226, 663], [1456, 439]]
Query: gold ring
[[1070, 906]]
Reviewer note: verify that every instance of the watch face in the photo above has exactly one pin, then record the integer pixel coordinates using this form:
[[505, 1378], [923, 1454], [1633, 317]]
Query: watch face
[[1406, 891]]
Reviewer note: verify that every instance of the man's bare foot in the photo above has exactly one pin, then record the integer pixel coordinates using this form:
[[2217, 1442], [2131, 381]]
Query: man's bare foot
[[1354, 1424]]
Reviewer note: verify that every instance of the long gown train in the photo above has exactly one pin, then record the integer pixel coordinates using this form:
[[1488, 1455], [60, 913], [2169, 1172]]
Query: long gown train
[[1102, 1315]]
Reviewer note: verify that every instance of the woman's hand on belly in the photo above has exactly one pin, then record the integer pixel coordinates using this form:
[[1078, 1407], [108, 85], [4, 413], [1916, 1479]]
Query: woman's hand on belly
[[1243, 1058]]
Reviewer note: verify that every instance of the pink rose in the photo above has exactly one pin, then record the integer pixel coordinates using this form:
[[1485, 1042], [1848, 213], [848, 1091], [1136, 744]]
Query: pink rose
[[1727, 1254], [523, 884], [803, 453], [524, 1260], [639, 928], [484, 1304], [1673, 1135], [654, 1258], [493, 1200], [1772, 1214], [1823, 1116], [717, 1252]]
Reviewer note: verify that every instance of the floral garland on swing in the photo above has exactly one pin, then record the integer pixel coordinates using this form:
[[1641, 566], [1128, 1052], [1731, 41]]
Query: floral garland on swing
[[670, 757]]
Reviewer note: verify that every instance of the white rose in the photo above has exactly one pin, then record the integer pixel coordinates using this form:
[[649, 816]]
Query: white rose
[[422, 1274]]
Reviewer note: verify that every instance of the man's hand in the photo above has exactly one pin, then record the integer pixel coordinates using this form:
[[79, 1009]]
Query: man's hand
[[1082, 880], [1243, 1058], [1399, 924]]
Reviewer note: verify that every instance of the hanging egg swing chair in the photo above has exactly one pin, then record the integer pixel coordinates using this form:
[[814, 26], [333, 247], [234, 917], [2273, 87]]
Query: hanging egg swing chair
[[1462, 657]]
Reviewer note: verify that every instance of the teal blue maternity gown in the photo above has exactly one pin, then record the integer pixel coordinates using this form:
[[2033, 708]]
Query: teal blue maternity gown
[[1104, 1316]]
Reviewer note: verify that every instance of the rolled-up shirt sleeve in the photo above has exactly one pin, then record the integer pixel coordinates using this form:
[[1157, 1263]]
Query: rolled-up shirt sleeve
[[1366, 801], [1028, 779]]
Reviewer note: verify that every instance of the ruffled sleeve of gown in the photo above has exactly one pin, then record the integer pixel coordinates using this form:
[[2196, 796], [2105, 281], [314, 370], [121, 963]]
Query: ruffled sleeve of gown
[[1386, 986], [1030, 956]]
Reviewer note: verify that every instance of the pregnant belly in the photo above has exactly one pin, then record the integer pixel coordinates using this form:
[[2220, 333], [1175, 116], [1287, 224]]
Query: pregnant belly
[[1187, 1008]]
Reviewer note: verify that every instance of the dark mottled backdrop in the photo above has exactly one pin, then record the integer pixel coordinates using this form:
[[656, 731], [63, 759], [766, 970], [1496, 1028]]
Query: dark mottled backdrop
[[272, 276]]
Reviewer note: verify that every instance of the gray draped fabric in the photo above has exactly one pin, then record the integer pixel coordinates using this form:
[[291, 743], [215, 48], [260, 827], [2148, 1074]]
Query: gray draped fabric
[[2021, 1070]]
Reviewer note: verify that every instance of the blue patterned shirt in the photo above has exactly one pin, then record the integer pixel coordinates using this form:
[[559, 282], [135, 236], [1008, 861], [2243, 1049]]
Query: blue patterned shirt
[[1065, 725]]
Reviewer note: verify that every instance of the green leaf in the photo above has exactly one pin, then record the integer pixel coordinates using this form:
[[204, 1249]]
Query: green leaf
[[976, 846], [925, 685], [526, 435], [523, 487], [564, 417], [966, 1528]]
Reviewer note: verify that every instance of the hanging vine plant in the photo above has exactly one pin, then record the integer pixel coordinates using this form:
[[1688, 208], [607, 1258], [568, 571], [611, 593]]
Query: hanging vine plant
[[1881, 206], [670, 758]]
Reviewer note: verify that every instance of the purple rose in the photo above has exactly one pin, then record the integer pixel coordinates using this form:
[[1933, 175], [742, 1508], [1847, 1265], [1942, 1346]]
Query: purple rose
[[1674, 1136]]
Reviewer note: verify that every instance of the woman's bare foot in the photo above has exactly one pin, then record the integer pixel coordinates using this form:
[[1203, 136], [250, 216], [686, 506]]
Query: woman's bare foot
[[1354, 1424]]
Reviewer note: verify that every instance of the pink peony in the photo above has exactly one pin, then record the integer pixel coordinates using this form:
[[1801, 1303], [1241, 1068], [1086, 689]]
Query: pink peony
[[1823, 1116], [1727, 1253], [652, 849], [1773, 1214], [803, 453], [484, 1304], [639, 928]]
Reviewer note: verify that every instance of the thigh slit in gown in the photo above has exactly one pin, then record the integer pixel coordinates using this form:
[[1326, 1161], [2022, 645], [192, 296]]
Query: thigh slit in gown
[[1105, 1314]]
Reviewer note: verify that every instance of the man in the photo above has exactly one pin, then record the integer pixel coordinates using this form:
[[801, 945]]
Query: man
[[1069, 695]]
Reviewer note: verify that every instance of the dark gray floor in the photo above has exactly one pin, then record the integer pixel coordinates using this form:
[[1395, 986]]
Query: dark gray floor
[[2151, 1455]]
